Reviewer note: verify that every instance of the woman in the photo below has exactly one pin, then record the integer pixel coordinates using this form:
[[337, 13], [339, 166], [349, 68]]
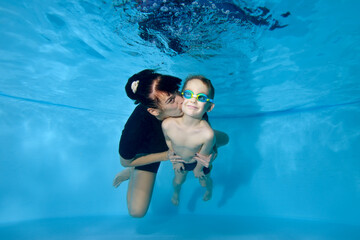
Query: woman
[[142, 144]]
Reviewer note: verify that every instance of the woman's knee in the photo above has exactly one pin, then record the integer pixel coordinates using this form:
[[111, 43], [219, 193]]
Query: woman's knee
[[137, 212], [140, 192], [221, 138]]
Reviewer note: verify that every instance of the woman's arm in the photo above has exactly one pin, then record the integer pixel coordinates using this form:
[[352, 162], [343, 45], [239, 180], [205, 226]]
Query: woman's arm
[[144, 160]]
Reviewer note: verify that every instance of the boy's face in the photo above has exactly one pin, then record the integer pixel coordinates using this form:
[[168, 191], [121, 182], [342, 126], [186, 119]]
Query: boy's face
[[192, 106]]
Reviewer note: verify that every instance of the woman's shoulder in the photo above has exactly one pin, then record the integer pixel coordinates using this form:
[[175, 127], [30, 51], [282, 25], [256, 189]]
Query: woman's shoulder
[[140, 110], [139, 118], [140, 113]]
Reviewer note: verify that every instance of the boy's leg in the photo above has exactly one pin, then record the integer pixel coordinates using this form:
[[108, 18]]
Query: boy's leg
[[179, 179], [208, 184]]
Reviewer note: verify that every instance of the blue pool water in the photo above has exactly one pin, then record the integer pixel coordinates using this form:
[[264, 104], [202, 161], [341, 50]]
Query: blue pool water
[[288, 97]]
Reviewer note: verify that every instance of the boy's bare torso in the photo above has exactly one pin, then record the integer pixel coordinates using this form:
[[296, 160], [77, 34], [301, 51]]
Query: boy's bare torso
[[187, 140]]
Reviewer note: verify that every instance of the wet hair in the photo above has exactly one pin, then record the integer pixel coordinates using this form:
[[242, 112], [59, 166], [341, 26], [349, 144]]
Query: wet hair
[[204, 80], [151, 86]]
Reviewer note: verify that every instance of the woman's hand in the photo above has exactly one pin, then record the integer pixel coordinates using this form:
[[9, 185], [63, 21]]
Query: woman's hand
[[205, 160], [173, 157]]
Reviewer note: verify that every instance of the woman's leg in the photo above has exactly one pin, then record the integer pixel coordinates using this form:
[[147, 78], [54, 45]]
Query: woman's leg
[[139, 193], [221, 138]]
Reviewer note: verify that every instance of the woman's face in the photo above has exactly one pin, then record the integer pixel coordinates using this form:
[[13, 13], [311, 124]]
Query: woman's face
[[171, 105]]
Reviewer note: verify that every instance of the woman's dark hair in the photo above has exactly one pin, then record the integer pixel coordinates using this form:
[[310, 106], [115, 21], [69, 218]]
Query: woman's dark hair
[[203, 79], [150, 86]]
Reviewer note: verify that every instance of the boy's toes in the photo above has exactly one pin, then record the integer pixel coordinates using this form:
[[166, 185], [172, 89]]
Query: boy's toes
[[207, 196], [175, 200]]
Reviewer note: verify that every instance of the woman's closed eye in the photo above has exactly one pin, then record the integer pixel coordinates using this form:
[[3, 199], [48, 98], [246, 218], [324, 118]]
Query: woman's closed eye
[[170, 100]]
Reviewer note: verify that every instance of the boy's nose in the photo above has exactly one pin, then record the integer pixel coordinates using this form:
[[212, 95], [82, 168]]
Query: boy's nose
[[193, 99]]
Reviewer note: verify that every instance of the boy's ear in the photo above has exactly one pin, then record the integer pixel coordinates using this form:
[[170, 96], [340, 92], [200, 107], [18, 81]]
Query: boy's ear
[[153, 111], [211, 107]]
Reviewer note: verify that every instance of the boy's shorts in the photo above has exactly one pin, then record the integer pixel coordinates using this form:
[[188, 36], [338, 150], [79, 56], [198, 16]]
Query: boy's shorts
[[191, 166]]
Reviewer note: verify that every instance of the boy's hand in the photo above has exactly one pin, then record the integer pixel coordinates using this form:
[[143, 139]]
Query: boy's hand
[[178, 167], [198, 171]]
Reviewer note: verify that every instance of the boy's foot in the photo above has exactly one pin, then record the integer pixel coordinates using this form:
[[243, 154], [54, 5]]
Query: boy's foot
[[207, 196], [175, 199], [122, 176]]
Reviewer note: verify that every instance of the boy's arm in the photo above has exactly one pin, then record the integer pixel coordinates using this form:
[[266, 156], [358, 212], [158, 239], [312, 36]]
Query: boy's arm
[[208, 146], [208, 151], [204, 155]]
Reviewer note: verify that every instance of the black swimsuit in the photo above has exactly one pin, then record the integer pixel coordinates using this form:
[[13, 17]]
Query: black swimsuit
[[142, 134]]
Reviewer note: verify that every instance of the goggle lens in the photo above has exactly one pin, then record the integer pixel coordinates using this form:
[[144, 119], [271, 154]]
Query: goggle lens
[[187, 94], [200, 97]]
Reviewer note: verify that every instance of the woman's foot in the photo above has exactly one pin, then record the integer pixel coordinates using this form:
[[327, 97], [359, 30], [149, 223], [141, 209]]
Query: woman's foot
[[122, 176]]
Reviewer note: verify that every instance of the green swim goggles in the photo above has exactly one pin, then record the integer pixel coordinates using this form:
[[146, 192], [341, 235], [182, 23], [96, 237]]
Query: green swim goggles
[[200, 96]]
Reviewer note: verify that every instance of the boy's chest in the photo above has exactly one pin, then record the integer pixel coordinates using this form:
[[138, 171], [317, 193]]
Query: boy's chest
[[186, 138]]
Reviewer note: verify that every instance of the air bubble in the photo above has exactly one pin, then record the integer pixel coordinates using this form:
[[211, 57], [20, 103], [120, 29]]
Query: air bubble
[[164, 9]]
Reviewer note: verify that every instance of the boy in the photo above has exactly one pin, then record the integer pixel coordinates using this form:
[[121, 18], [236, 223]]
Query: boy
[[191, 137]]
